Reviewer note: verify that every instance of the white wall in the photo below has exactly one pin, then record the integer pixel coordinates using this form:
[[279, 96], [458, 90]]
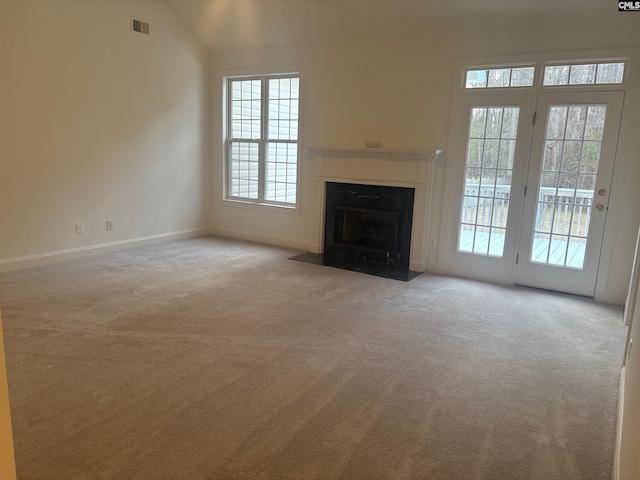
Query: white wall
[[399, 90], [97, 123], [628, 464]]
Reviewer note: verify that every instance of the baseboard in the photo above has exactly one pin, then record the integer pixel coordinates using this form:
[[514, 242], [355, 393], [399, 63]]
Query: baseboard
[[433, 268], [69, 254], [416, 266], [604, 297], [481, 278], [268, 239], [616, 457], [612, 298]]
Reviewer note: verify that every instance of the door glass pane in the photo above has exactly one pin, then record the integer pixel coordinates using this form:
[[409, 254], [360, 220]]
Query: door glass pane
[[488, 172], [566, 186]]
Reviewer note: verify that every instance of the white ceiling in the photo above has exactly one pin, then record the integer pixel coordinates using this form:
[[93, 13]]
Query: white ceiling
[[236, 24]]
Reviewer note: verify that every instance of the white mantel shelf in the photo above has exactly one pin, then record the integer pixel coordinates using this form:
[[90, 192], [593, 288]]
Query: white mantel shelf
[[420, 155]]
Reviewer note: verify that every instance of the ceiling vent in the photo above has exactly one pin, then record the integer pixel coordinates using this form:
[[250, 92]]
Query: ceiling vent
[[139, 26]]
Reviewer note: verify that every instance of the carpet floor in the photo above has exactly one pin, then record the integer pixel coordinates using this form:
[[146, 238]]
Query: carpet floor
[[212, 358]]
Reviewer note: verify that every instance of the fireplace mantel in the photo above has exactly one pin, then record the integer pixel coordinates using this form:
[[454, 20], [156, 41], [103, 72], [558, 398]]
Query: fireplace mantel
[[376, 166], [373, 153]]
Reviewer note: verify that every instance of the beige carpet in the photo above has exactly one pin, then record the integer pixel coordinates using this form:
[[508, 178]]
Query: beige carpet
[[217, 359]]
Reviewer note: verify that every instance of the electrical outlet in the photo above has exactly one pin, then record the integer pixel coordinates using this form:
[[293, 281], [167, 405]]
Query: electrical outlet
[[251, 217], [109, 225], [79, 228], [432, 243]]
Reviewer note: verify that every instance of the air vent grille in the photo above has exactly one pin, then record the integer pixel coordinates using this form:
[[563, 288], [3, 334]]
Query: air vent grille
[[139, 26]]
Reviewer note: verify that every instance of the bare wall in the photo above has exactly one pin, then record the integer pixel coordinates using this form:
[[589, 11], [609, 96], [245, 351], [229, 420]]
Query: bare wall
[[629, 428], [97, 123]]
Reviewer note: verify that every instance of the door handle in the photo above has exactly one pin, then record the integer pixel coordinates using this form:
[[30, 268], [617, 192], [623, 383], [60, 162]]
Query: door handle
[[600, 207], [602, 192]]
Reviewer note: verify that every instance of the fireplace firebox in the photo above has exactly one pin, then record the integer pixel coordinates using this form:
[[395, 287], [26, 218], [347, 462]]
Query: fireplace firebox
[[368, 228]]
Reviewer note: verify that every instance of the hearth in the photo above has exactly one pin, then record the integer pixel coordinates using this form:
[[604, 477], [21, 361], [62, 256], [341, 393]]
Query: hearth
[[368, 228]]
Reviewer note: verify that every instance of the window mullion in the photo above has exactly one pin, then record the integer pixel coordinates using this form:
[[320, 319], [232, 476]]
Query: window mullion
[[229, 136], [262, 155]]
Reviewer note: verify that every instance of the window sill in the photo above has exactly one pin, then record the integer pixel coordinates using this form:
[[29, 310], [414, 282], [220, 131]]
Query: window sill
[[264, 207]]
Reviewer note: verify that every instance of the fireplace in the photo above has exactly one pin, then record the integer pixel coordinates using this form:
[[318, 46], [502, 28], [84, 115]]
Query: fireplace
[[368, 228]]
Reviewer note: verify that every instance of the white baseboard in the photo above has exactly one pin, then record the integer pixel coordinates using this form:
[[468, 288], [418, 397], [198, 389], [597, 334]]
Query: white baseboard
[[616, 457], [433, 268], [416, 266], [69, 254], [612, 298], [268, 239], [604, 297], [481, 278]]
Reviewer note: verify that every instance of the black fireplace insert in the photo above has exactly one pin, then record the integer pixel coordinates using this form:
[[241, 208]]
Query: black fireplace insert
[[368, 228]]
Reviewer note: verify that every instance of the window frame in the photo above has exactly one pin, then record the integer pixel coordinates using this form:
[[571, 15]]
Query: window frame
[[263, 141]]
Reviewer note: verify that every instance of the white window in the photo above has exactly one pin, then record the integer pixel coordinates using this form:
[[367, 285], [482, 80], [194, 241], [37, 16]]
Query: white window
[[500, 77], [262, 139], [583, 74]]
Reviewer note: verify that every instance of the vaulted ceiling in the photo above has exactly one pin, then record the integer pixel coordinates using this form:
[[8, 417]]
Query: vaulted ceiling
[[237, 24]]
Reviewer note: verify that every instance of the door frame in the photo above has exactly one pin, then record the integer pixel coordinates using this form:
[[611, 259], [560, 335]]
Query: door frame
[[455, 162]]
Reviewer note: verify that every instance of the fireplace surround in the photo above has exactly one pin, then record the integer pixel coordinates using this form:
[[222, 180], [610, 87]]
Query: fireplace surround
[[379, 166]]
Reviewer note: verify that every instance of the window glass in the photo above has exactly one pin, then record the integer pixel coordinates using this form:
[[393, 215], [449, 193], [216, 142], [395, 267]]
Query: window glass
[[583, 74], [500, 77]]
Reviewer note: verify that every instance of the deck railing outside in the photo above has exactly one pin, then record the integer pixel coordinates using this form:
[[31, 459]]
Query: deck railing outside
[[561, 224], [493, 203]]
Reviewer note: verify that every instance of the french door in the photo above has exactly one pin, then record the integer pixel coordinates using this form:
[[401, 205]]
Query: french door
[[492, 142], [569, 178], [536, 187]]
